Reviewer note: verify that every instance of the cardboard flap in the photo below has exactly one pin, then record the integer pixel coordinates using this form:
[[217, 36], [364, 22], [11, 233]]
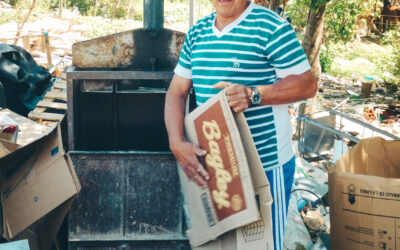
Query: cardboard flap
[[73, 173], [30, 201], [372, 156], [258, 176], [7, 147], [6, 161]]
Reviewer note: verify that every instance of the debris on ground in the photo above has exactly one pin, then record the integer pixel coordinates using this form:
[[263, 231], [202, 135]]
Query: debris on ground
[[312, 219]]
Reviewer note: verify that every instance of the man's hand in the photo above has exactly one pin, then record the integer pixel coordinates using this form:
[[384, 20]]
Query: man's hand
[[186, 154], [238, 95]]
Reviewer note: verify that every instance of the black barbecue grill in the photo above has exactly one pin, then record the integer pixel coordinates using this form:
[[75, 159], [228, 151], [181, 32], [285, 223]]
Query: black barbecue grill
[[130, 197]]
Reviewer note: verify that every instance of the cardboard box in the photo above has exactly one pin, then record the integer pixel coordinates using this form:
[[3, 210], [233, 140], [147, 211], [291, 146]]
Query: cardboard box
[[38, 185], [364, 197], [235, 173], [8, 128], [256, 235]]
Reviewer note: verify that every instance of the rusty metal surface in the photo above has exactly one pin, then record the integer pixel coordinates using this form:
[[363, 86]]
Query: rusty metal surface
[[126, 195], [135, 49]]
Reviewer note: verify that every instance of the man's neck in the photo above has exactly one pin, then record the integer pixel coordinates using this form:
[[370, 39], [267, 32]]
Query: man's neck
[[221, 22]]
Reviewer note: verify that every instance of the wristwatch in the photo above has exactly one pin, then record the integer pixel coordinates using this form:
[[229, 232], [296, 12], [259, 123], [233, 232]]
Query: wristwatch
[[256, 96]]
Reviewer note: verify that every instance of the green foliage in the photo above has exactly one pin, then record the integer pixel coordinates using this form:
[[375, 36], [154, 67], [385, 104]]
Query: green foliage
[[21, 8], [326, 58], [297, 11], [341, 18], [316, 4], [98, 26]]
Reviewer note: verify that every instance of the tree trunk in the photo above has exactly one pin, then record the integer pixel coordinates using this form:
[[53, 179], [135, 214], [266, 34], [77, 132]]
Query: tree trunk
[[312, 44], [273, 4], [21, 26], [60, 8], [115, 10], [129, 10], [96, 3]]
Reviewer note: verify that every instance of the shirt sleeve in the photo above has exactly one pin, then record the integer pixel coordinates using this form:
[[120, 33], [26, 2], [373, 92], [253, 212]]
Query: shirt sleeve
[[184, 66], [285, 53]]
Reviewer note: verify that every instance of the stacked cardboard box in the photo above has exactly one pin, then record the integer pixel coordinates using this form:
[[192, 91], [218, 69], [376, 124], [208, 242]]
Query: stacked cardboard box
[[38, 185]]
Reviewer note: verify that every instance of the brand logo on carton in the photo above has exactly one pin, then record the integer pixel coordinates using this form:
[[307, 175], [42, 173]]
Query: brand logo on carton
[[352, 193], [221, 162]]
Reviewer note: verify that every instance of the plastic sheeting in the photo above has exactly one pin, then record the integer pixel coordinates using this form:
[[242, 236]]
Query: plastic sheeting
[[296, 233], [24, 81], [16, 245], [310, 178]]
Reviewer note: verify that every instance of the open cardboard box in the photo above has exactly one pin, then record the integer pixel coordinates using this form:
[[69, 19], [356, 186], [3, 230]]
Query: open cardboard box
[[364, 197], [242, 217], [38, 185]]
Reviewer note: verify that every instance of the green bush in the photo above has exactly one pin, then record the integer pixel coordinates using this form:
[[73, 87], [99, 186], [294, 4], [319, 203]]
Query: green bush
[[326, 58], [297, 10]]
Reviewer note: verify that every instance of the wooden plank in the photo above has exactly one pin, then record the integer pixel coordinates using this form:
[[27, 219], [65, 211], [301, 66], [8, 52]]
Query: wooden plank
[[48, 52], [60, 85], [56, 95], [53, 105], [26, 43], [45, 116], [42, 43]]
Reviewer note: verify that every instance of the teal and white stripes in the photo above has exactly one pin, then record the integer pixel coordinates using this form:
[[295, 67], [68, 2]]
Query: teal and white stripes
[[255, 49]]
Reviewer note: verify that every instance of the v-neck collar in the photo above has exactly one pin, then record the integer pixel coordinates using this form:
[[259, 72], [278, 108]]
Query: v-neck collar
[[219, 33]]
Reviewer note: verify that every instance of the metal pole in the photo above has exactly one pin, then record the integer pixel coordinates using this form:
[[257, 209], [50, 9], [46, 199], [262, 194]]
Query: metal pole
[[153, 14], [191, 13]]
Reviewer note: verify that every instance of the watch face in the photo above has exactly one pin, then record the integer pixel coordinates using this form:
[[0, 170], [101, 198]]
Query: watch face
[[256, 96]]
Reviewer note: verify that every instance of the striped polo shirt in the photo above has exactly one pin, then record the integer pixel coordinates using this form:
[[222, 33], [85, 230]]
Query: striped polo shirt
[[256, 49]]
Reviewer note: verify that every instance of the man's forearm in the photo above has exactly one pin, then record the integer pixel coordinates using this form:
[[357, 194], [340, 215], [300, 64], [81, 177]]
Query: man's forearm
[[290, 89], [174, 116]]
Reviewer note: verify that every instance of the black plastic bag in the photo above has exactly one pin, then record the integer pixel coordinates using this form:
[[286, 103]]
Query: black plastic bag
[[24, 81]]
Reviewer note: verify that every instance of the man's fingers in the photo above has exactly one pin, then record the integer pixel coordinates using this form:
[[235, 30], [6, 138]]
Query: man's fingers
[[190, 172], [199, 152], [222, 85], [200, 181], [200, 169], [198, 175]]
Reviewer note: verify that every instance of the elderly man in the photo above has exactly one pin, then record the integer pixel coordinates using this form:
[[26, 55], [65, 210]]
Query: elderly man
[[255, 54]]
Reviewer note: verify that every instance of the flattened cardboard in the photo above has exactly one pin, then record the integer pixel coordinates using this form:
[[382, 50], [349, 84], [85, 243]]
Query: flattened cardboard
[[206, 224], [38, 184], [364, 195]]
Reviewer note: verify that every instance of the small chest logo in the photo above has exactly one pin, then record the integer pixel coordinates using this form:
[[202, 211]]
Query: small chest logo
[[236, 63]]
